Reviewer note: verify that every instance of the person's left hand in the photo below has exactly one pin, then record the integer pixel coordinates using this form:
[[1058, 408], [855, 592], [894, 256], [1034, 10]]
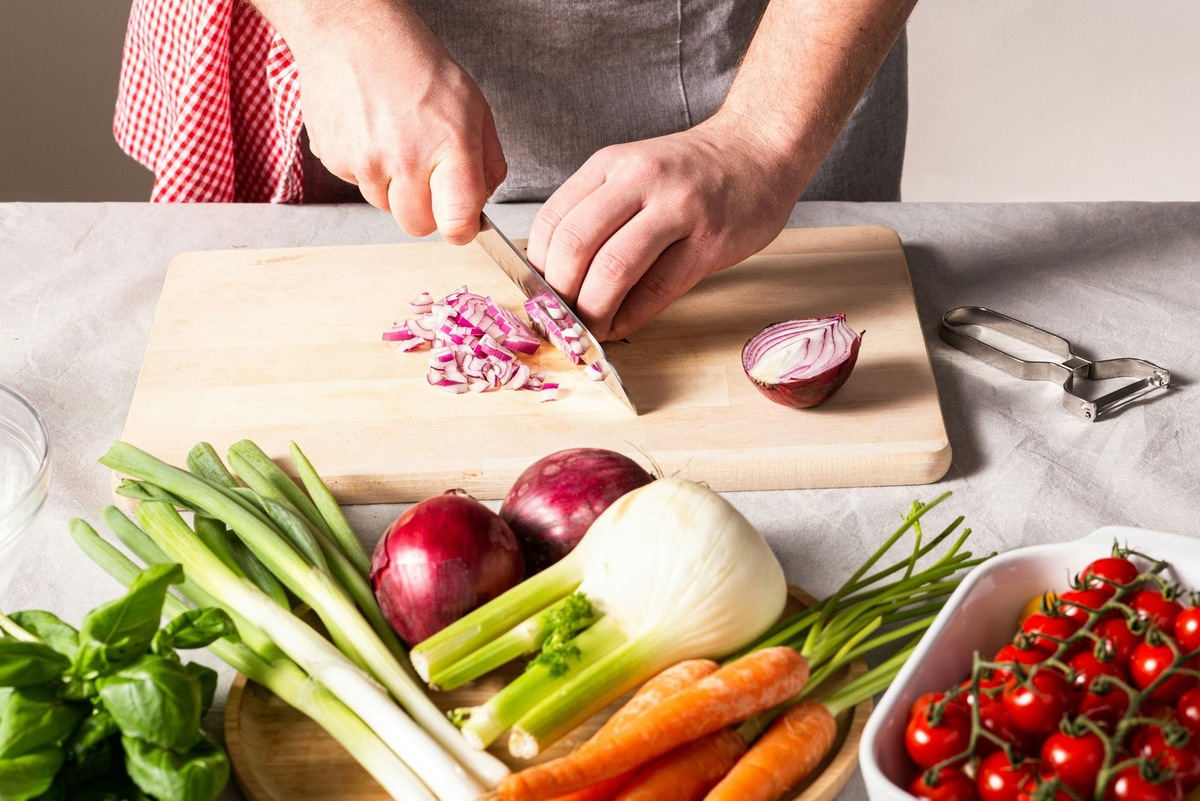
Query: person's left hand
[[641, 223]]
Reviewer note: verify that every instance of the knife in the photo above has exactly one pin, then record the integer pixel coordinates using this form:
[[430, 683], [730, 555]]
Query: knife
[[512, 261]]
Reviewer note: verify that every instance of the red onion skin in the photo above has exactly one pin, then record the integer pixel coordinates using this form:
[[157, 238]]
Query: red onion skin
[[804, 393], [439, 560], [553, 503]]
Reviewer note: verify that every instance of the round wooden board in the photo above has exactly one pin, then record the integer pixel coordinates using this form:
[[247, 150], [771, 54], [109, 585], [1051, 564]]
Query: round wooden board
[[278, 754]]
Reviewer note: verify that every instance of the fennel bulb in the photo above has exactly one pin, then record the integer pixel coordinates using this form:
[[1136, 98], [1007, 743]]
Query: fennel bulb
[[672, 571]]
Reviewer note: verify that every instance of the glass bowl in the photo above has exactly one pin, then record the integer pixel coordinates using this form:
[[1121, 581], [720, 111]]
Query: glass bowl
[[24, 477]]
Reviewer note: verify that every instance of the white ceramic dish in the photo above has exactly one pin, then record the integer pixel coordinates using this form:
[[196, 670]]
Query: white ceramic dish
[[24, 476], [981, 615]]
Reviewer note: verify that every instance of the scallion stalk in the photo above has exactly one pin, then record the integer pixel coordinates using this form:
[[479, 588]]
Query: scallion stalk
[[316, 588], [283, 678]]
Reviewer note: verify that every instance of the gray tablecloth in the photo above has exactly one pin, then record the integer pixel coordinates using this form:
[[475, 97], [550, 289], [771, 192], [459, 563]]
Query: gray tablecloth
[[79, 284]]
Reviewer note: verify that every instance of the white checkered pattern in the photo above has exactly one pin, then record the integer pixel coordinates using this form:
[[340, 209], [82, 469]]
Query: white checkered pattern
[[209, 100]]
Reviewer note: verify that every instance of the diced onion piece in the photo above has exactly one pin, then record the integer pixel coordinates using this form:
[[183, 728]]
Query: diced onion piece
[[557, 325], [597, 370], [548, 392], [801, 363]]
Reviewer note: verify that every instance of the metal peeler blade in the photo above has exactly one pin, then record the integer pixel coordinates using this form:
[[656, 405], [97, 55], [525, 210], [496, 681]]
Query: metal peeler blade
[[1145, 376]]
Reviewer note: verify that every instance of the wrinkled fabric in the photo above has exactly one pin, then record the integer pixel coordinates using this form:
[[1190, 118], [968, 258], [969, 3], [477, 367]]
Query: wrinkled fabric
[[209, 95]]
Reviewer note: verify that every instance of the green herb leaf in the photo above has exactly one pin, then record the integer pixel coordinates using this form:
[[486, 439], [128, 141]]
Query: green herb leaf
[[155, 699], [197, 775], [207, 677], [24, 664], [49, 629], [33, 718], [195, 628], [120, 631], [26, 777], [93, 749]]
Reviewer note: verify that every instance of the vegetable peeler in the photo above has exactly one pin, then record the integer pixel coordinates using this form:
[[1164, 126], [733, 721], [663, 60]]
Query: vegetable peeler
[[1144, 376]]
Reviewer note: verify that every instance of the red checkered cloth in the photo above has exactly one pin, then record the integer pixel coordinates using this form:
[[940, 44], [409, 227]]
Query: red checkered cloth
[[209, 99]]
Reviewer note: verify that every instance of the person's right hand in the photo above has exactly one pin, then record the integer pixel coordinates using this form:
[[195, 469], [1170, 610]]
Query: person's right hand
[[388, 109]]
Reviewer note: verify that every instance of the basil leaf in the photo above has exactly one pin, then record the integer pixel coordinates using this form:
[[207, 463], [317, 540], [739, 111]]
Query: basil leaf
[[28, 776], [93, 750], [33, 718], [155, 699], [120, 631], [60, 636], [196, 775], [24, 664], [195, 628], [207, 677]]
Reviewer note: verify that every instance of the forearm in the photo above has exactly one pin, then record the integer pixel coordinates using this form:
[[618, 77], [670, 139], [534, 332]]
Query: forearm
[[805, 70]]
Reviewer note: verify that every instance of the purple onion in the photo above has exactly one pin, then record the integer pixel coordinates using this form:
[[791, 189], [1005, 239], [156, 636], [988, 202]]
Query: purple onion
[[439, 560], [553, 503], [800, 363]]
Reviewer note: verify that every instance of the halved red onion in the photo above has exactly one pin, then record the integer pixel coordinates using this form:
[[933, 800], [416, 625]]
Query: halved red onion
[[800, 363]]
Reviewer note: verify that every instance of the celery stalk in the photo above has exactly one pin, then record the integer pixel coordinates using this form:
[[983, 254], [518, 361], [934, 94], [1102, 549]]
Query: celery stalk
[[539, 682], [561, 618], [477, 628]]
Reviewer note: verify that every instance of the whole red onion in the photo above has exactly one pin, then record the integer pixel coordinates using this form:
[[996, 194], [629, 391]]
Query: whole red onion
[[439, 560], [800, 363], [552, 504]]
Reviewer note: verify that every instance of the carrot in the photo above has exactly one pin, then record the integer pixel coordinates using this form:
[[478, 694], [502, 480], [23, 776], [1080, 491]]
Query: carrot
[[675, 678], [601, 791], [751, 684], [688, 772], [788, 751], [665, 684]]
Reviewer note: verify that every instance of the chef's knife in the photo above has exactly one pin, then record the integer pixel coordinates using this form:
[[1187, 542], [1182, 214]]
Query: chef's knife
[[512, 261]]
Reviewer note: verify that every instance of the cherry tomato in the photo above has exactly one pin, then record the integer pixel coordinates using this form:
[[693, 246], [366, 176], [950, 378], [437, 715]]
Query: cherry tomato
[[1078, 605], [1150, 661], [1105, 704], [1075, 759], [931, 739], [1187, 629], [1130, 785], [1107, 573], [994, 720], [1037, 706], [1187, 710], [1156, 607], [950, 784], [999, 780], [1038, 788], [1012, 654], [1175, 749], [1086, 667], [923, 702], [1116, 633], [1047, 632]]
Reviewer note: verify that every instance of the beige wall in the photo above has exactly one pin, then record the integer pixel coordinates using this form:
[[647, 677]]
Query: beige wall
[[58, 81], [1011, 100]]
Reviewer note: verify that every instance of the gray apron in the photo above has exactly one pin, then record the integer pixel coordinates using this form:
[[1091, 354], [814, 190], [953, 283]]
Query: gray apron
[[565, 78]]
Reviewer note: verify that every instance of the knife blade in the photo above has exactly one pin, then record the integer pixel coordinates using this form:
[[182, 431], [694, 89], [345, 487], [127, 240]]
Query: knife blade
[[516, 266]]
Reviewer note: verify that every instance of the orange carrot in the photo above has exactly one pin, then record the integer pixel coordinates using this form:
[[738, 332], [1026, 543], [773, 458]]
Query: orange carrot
[[675, 678], [753, 683], [665, 684], [601, 791], [788, 751], [688, 772]]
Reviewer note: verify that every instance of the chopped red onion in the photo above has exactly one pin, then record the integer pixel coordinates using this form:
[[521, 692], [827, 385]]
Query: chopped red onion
[[556, 324], [548, 392]]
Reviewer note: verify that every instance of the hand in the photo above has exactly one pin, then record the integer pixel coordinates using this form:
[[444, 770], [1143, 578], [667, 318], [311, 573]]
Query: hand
[[387, 108], [641, 223]]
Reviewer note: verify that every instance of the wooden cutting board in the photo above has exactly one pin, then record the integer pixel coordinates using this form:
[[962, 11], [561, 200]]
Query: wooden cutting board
[[279, 345]]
